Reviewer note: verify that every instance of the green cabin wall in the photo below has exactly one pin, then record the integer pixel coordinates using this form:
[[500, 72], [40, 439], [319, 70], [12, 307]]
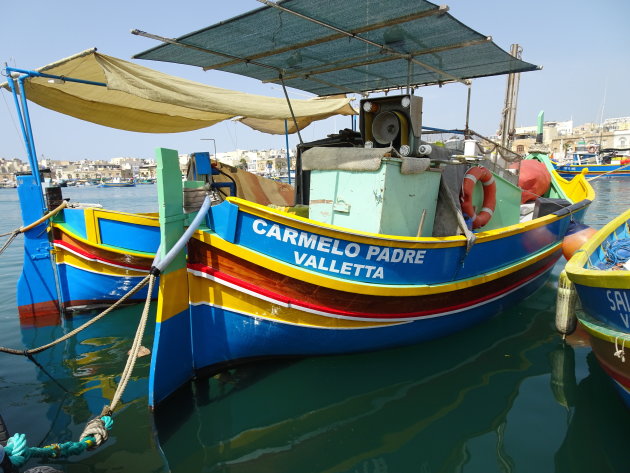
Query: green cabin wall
[[383, 201]]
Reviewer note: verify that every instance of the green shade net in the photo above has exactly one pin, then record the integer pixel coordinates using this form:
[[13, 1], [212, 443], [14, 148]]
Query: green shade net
[[269, 42]]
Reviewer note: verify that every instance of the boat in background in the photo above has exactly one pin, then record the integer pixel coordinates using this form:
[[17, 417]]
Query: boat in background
[[593, 162], [118, 183], [600, 273]]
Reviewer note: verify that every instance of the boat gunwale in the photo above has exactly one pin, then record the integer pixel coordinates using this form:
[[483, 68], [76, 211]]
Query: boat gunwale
[[63, 227], [598, 278], [602, 330], [334, 231]]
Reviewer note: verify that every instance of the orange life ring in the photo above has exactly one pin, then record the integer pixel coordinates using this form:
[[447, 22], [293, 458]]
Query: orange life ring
[[474, 174]]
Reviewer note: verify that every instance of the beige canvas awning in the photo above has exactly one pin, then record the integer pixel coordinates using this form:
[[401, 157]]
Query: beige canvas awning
[[141, 99]]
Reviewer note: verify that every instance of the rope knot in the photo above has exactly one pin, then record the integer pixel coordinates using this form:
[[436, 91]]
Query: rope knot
[[97, 428], [619, 351]]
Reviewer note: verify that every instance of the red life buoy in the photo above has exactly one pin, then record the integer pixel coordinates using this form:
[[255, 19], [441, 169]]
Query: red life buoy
[[479, 173], [591, 149]]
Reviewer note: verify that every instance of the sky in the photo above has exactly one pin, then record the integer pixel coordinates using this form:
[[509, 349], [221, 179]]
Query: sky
[[583, 47]]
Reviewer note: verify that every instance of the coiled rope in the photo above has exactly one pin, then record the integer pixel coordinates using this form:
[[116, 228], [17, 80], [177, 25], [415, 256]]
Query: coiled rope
[[616, 253]]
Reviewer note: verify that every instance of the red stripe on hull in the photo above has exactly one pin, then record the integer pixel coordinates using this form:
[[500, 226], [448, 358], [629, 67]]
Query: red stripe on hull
[[112, 257], [504, 288], [93, 256]]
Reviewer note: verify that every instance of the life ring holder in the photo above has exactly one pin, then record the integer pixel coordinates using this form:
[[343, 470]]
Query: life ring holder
[[482, 174]]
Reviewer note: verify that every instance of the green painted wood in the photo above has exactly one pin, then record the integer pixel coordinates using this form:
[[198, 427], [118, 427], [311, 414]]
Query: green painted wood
[[383, 201], [170, 204]]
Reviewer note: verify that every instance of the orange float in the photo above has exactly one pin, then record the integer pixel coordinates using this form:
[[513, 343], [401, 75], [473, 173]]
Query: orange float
[[483, 175], [576, 236]]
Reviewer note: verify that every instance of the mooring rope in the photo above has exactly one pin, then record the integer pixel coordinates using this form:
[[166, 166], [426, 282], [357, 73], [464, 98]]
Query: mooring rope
[[52, 213], [96, 431], [32, 351], [133, 354]]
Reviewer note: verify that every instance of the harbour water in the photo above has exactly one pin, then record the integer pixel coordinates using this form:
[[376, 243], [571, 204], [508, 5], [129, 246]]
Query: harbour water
[[505, 396]]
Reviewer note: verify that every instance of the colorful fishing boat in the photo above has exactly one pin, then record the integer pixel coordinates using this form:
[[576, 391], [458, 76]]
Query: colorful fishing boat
[[385, 240], [386, 254], [600, 273]]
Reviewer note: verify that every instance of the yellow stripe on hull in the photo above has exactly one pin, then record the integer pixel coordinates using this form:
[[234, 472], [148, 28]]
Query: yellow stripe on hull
[[206, 291], [177, 302], [63, 256], [96, 243]]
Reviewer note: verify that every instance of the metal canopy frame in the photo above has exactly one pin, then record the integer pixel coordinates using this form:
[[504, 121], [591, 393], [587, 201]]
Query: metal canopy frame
[[320, 73], [381, 47]]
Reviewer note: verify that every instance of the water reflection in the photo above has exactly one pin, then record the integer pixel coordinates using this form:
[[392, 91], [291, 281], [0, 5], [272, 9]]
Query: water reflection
[[448, 405], [503, 396]]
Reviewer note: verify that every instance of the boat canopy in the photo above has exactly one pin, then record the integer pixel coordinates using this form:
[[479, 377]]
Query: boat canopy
[[137, 98], [349, 46]]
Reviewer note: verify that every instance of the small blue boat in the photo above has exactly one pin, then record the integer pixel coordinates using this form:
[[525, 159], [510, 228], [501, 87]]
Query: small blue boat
[[600, 272]]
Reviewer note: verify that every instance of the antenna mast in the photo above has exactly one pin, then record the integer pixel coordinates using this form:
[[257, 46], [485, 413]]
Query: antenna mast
[[508, 121]]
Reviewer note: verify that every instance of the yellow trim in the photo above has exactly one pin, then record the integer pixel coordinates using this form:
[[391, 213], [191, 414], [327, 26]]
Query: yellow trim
[[331, 282], [206, 291], [92, 217], [146, 220], [175, 285], [604, 333], [91, 226], [367, 238], [575, 267], [113, 249], [65, 257]]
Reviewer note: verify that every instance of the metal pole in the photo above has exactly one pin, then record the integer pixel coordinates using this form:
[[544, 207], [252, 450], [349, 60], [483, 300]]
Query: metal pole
[[468, 112], [286, 95], [286, 137], [18, 109], [215, 146], [32, 155]]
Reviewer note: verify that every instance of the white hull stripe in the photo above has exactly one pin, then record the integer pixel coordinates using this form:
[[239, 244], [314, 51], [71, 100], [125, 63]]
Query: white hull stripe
[[345, 317]]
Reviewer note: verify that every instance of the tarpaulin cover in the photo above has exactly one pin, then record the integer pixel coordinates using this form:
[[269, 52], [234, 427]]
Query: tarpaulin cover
[[137, 98]]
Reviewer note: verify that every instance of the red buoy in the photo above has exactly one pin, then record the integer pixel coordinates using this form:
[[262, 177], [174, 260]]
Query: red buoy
[[575, 237]]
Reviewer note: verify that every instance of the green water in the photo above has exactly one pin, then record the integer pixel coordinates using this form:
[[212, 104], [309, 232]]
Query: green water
[[505, 396]]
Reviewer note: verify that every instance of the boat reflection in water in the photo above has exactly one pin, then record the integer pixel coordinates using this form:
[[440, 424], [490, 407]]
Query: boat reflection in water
[[449, 405]]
